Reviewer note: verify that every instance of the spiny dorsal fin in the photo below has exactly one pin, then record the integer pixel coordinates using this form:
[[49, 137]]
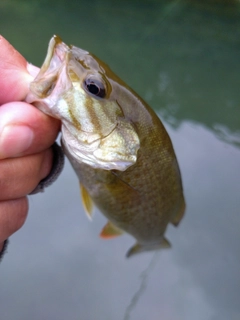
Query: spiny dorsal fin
[[110, 231], [87, 201]]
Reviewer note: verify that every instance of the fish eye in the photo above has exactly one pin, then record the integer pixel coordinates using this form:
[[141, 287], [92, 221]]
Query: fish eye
[[95, 87]]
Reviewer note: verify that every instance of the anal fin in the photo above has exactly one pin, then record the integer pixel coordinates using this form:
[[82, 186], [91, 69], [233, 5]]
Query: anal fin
[[110, 231], [87, 201]]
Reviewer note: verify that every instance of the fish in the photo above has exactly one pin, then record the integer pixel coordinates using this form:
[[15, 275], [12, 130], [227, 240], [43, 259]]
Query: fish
[[115, 142]]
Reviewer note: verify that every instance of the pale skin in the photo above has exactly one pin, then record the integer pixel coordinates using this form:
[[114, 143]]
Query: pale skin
[[26, 136]]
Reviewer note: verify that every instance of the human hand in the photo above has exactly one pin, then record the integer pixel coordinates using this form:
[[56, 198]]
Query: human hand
[[26, 137]]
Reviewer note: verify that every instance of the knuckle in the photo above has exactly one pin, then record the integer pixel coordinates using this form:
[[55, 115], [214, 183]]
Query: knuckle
[[13, 214], [21, 211], [20, 176]]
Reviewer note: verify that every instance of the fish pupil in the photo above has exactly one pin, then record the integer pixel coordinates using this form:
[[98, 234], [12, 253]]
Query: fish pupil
[[95, 87]]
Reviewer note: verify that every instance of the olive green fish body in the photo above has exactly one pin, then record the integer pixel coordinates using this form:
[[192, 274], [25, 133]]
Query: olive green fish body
[[137, 200], [117, 145]]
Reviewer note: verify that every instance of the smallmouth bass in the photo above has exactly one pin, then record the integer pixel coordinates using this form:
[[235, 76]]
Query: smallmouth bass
[[116, 144]]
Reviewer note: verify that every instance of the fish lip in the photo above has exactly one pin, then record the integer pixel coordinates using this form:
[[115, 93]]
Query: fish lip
[[56, 49], [60, 49]]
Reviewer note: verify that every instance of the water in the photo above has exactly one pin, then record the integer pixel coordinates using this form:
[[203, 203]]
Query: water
[[183, 58]]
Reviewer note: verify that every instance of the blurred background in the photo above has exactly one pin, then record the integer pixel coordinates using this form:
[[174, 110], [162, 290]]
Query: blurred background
[[182, 57]]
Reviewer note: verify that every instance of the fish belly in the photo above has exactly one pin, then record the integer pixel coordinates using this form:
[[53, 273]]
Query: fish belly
[[135, 202]]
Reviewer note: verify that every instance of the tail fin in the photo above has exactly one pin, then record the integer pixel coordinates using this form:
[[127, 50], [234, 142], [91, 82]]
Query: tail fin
[[138, 248]]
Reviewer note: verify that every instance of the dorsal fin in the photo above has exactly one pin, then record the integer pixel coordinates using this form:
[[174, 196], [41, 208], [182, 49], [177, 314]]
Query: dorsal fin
[[87, 201], [110, 231]]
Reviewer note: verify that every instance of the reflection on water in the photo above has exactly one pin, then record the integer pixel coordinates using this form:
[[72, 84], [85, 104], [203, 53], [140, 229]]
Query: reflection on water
[[142, 287], [183, 58], [225, 134]]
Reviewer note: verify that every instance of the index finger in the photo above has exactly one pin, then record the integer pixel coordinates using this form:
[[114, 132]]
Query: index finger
[[14, 75]]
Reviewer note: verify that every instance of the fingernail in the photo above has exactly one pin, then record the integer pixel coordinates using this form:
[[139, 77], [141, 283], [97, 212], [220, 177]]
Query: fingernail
[[14, 140]]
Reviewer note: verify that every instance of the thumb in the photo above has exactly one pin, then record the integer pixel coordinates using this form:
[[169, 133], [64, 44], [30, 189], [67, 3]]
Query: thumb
[[15, 73]]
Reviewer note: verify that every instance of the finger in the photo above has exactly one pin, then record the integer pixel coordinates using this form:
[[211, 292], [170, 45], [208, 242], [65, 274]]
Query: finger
[[15, 78], [20, 176], [13, 214], [25, 130]]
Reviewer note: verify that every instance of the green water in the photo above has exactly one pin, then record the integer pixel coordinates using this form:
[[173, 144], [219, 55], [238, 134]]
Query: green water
[[182, 57]]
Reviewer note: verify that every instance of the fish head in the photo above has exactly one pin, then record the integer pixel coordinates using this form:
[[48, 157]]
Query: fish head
[[73, 86]]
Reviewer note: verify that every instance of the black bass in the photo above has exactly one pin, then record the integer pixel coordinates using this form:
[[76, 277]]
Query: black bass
[[115, 142]]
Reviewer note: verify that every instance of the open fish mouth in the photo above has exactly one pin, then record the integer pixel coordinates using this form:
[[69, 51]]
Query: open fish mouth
[[58, 52], [56, 60]]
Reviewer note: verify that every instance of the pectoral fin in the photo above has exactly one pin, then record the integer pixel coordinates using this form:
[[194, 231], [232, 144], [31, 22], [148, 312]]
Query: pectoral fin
[[138, 248], [87, 201], [110, 231]]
